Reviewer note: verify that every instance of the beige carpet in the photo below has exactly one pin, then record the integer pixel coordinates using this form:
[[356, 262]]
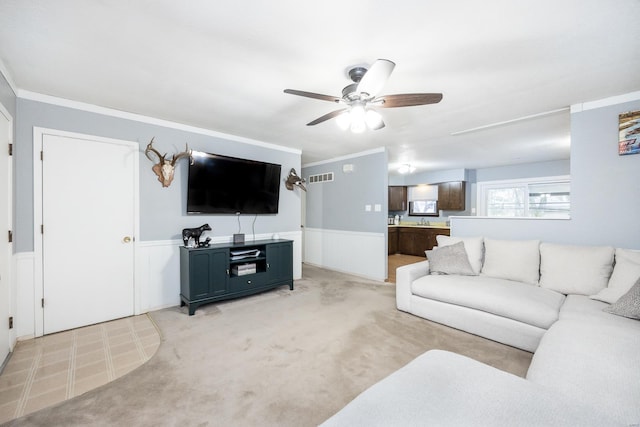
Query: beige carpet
[[281, 358]]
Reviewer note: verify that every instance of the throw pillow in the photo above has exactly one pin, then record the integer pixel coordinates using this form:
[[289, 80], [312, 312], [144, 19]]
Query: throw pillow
[[625, 272], [473, 245], [628, 305], [450, 259], [517, 260], [580, 270]]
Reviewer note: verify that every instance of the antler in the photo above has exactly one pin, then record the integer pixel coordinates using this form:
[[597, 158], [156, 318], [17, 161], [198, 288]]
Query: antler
[[177, 156], [153, 150]]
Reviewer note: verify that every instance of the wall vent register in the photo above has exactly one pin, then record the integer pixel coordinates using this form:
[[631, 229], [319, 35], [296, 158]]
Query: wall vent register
[[321, 177]]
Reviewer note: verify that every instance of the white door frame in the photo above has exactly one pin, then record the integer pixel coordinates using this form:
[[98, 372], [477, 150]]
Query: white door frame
[[9, 279], [38, 135]]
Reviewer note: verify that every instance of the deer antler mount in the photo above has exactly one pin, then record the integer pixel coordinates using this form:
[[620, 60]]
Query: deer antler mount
[[164, 168]]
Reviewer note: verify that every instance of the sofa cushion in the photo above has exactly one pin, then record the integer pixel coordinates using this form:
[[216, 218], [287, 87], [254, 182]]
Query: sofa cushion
[[628, 305], [626, 271], [440, 388], [450, 259], [514, 300], [594, 361], [582, 270], [517, 260], [473, 245]]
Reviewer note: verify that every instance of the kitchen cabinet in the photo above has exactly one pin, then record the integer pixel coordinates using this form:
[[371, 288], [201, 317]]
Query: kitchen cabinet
[[393, 241], [397, 198], [451, 196], [416, 240]]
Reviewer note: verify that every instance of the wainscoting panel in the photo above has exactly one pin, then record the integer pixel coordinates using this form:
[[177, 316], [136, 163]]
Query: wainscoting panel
[[158, 269], [25, 295], [358, 253]]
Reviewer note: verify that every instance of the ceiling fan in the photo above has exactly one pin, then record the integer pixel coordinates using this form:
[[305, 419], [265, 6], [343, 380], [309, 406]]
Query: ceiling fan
[[361, 98]]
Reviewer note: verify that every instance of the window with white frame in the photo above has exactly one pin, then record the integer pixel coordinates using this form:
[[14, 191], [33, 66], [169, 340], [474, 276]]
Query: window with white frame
[[548, 197]]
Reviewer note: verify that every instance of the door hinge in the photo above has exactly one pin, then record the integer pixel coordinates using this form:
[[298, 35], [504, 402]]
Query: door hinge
[[11, 149], [10, 236], [41, 155], [41, 228], [42, 302], [10, 322]]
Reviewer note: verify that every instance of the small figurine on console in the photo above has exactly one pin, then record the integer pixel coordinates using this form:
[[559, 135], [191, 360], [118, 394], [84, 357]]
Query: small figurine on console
[[195, 233], [204, 244]]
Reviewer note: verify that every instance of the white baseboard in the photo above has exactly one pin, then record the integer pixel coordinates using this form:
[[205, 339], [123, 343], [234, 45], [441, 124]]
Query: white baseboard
[[358, 253]]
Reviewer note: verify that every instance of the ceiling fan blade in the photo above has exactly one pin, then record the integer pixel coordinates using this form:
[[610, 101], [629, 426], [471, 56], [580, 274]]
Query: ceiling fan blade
[[407, 100], [327, 116], [312, 95], [374, 79]]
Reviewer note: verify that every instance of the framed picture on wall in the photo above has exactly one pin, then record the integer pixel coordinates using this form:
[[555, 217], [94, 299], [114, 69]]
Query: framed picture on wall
[[629, 133]]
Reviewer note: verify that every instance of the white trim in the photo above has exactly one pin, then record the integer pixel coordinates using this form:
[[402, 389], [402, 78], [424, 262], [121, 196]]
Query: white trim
[[605, 102], [505, 122], [482, 186], [348, 156], [38, 135], [33, 96], [9, 279], [8, 78]]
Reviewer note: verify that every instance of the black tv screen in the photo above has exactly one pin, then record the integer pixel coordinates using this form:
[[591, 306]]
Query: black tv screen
[[228, 185]]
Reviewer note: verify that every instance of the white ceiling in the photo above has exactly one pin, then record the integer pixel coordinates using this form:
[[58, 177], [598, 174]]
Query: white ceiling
[[223, 65]]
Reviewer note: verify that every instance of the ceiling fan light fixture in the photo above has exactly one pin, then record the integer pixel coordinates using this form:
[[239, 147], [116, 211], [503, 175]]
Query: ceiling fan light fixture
[[357, 115], [374, 120], [406, 168]]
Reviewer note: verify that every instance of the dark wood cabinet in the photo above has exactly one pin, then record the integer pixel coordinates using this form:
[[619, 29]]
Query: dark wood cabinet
[[214, 273], [416, 240], [397, 198], [392, 247], [451, 196]]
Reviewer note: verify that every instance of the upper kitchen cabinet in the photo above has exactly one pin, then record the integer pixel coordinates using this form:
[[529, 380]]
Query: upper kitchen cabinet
[[397, 198], [451, 196]]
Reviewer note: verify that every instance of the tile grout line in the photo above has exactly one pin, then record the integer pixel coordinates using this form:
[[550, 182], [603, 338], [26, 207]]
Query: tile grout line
[[22, 403], [107, 354], [71, 374], [136, 339]]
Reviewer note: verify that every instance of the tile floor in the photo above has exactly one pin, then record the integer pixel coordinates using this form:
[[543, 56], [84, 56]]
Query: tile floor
[[44, 371]]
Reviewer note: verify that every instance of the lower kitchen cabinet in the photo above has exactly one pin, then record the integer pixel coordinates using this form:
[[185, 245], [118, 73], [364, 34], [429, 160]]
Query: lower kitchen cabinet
[[417, 240]]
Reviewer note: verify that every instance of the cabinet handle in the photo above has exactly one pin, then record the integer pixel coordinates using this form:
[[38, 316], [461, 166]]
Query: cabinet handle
[[268, 266], [248, 282], [227, 271]]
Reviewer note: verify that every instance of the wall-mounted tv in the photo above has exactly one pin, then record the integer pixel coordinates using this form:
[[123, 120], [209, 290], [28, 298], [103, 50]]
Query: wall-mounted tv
[[229, 185]]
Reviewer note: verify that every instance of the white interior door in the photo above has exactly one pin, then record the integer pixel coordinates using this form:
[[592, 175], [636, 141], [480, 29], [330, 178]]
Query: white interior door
[[88, 216], [6, 198]]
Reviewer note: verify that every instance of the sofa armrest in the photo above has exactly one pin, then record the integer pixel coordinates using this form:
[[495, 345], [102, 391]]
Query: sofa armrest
[[405, 275]]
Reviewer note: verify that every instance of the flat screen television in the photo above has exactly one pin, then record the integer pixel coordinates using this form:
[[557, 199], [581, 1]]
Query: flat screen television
[[229, 185]]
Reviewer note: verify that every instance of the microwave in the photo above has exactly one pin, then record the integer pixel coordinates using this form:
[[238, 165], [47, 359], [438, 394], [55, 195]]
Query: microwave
[[423, 208]]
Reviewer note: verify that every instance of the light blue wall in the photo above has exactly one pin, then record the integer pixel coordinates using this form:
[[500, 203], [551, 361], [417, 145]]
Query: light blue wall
[[340, 205], [605, 190], [523, 171], [162, 210]]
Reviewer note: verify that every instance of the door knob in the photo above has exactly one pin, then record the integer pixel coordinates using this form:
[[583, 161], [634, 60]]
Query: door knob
[[127, 239]]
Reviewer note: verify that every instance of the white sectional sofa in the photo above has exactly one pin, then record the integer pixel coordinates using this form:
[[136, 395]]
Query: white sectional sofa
[[553, 300]]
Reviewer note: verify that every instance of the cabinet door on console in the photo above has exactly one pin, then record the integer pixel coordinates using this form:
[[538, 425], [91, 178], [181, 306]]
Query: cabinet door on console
[[280, 262], [208, 273]]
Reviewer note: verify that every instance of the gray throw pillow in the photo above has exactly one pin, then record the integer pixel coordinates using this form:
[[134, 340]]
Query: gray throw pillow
[[451, 259], [627, 305]]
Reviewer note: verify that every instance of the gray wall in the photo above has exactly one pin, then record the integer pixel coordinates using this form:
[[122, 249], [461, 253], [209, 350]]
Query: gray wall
[[605, 191], [162, 210], [340, 205]]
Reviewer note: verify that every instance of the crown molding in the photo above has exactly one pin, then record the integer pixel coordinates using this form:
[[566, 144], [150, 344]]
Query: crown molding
[[606, 102], [91, 108]]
